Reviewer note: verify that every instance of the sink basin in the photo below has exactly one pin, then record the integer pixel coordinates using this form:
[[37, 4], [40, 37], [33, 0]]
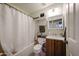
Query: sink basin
[[55, 37]]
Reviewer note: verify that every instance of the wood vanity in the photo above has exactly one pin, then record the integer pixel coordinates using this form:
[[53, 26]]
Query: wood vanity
[[55, 46]]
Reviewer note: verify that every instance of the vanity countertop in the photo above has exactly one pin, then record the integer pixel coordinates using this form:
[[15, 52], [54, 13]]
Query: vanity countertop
[[55, 37]]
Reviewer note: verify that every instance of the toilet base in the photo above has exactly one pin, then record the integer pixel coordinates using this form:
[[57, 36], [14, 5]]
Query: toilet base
[[41, 53]]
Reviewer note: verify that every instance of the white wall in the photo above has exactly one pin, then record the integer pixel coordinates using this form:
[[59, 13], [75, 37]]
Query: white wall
[[37, 13], [44, 21]]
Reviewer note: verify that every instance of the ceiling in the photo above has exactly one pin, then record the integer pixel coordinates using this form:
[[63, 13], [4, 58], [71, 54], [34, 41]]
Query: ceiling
[[31, 7]]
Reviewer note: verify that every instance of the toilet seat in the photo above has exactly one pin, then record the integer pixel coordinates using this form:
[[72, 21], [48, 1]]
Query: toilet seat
[[37, 47]]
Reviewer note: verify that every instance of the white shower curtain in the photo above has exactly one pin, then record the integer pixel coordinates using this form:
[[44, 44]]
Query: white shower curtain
[[6, 29], [31, 29], [17, 30]]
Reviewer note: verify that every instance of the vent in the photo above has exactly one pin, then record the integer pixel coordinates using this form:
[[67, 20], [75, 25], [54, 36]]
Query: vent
[[42, 15]]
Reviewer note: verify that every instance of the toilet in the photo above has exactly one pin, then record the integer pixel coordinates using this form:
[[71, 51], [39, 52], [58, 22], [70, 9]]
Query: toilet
[[38, 47]]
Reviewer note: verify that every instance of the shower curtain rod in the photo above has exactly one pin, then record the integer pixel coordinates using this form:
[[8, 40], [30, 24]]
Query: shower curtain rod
[[16, 9]]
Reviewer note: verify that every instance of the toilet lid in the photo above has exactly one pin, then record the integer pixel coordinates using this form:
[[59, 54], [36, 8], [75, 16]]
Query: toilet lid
[[37, 47]]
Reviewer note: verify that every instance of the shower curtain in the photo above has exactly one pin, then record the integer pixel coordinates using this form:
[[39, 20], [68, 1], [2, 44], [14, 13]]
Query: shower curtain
[[17, 30]]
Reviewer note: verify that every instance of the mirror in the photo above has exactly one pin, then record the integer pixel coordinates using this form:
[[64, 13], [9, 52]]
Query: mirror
[[55, 22]]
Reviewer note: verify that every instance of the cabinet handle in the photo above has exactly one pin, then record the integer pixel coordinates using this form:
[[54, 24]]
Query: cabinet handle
[[66, 42]]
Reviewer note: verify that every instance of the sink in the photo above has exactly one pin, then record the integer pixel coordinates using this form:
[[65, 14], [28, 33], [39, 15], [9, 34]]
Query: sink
[[55, 37]]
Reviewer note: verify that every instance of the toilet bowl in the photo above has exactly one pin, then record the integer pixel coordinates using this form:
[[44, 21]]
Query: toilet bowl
[[38, 47]]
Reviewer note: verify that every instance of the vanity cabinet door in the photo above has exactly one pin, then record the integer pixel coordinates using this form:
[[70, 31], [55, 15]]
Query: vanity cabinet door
[[48, 47], [55, 47], [58, 48], [52, 48]]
